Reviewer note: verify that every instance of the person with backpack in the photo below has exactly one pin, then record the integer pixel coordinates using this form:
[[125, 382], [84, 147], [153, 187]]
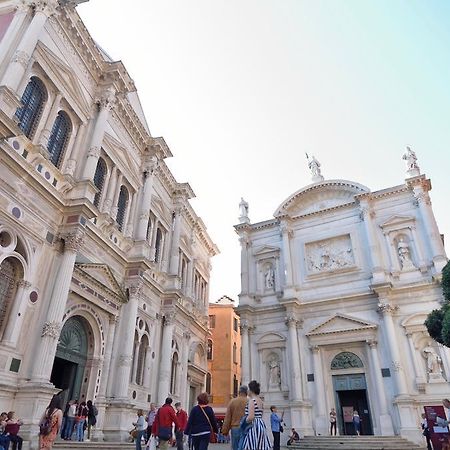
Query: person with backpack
[[50, 424], [91, 418], [81, 420]]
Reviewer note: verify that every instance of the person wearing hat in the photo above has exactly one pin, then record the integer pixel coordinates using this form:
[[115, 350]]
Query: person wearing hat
[[233, 416]]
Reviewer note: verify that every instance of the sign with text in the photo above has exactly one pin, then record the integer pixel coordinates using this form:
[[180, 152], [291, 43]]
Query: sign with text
[[347, 411], [437, 425]]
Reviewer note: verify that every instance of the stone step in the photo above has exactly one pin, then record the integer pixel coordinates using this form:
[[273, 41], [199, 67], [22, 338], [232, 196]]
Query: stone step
[[74, 445], [355, 443]]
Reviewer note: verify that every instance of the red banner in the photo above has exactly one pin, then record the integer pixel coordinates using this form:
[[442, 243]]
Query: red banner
[[437, 425]]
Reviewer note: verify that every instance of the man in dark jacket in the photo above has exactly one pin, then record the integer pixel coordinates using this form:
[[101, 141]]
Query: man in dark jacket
[[162, 426]]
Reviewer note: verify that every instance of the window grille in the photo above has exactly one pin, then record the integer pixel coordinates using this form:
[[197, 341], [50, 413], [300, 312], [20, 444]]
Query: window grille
[[158, 244], [59, 137], [99, 179], [122, 204], [33, 100]]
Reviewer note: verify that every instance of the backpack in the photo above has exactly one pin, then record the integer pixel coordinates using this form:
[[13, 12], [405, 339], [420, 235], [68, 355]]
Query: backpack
[[45, 427]]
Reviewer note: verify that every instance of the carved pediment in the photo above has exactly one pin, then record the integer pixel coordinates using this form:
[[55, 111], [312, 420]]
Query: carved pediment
[[271, 337], [266, 250], [101, 276], [319, 197], [341, 323], [397, 221], [63, 77]]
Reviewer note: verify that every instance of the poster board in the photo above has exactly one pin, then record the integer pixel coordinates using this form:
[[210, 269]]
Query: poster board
[[438, 431], [347, 412]]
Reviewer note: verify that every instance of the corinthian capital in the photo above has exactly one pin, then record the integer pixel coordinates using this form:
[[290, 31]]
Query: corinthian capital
[[423, 197], [94, 152], [150, 165], [387, 308], [135, 290], [245, 326], [47, 7], [51, 329], [107, 99], [291, 321], [74, 241]]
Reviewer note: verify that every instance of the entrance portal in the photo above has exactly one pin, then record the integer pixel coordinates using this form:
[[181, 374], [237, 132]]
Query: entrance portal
[[351, 394], [71, 356]]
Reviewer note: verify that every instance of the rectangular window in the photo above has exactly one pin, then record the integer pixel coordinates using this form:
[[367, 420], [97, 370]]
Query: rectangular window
[[212, 321], [235, 324]]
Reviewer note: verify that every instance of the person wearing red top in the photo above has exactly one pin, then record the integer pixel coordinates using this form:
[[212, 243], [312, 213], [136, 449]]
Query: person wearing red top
[[162, 426], [182, 421]]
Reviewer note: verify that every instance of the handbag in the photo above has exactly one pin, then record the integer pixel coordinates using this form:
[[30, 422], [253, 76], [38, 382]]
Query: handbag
[[212, 437], [134, 433], [281, 428]]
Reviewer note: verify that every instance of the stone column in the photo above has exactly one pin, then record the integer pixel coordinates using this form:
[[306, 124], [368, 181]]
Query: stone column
[[419, 374], [107, 358], [185, 395], [367, 215], [153, 240], [19, 63], [43, 361], [134, 374], [147, 367], [386, 310], [130, 215], [244, 241], [127, 328], [294, 356], [166, 358], [110, 189], [175, 244], [46, 132], [144, 210], [245, 343], [430, 226], [287, 259], [16, 316], [386, 428], [71, 162], [321, 421], [105, 104], [115, 208], [190, 273]]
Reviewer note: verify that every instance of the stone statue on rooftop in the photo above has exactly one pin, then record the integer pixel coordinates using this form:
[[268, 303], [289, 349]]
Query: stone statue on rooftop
[[412, 168], [314, 167], [243, 212]]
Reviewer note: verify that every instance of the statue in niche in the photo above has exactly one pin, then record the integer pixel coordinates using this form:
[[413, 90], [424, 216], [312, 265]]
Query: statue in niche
[[404, 254], [274, 371], [434, 361], [269, 277]]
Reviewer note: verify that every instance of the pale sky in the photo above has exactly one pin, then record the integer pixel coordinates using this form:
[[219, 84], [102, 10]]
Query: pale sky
[[241, 89]]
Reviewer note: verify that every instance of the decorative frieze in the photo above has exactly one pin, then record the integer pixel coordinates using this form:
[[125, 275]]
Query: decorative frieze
[[51, 329]]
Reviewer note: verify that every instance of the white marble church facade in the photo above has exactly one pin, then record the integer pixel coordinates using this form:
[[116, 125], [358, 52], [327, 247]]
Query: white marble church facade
[[335, 290], [104, 264]]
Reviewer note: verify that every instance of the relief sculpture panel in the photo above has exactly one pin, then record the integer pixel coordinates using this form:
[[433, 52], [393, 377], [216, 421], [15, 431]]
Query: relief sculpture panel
[[329, 254]]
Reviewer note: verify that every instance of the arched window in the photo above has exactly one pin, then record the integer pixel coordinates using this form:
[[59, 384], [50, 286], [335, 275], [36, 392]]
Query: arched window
[[235, 353], [133, 365], [9, 275], [33, 100], [149, 230], [183, 274], [209, 355], [99, 179], [346, 360], [143, 347], [59, 137], [173, 373], [122, 204], [208, 383], [158, 245]]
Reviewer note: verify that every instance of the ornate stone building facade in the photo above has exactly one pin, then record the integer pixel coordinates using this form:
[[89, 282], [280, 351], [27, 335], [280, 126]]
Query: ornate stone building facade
[[335, 291], [104, 265]]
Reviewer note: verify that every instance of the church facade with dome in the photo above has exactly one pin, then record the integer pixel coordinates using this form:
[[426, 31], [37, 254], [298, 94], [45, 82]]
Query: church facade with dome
[[335, 290], [104, 264]]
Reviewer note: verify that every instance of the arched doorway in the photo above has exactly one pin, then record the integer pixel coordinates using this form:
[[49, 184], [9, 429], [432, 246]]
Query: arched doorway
[[350, 389], [71, 357]]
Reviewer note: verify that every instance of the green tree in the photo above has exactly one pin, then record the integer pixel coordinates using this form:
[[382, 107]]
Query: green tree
[[438, 321]]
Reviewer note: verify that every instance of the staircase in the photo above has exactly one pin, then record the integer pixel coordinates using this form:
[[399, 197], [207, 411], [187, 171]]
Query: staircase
[[355, 442], [74, 445]]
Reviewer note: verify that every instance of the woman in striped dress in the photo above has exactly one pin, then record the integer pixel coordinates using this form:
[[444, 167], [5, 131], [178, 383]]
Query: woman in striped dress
[[256, 437]]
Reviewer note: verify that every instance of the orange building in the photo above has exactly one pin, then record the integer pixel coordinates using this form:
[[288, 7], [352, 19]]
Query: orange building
[[224, 354]]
